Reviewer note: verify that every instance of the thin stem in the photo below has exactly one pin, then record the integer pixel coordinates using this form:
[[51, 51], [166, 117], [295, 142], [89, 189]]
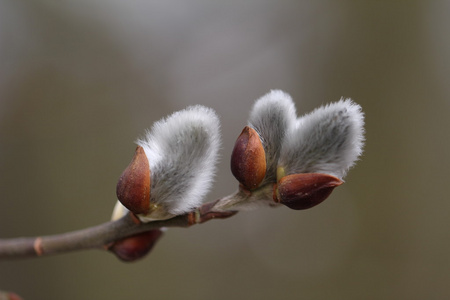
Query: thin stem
[[102, 235]]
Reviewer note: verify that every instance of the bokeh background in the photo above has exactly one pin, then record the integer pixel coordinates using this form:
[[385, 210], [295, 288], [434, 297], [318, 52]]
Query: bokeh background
[[80, 80]]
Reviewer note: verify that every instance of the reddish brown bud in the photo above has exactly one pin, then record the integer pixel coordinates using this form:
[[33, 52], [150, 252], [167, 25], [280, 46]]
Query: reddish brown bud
[[13, 296], [133, 188], [248, 160], [9, 296], [302, 191], [136, 246]]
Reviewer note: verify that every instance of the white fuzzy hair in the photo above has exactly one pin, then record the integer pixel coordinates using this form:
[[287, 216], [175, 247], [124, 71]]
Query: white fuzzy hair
[[182, 150], [271, 117], [328, 140]]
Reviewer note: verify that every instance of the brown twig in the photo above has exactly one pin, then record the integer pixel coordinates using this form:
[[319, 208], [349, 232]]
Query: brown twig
[[102, 235]]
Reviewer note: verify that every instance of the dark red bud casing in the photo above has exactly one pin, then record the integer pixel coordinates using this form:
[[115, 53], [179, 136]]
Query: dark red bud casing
[[305, 190], [133, 187], [248, 160], [136, 246]]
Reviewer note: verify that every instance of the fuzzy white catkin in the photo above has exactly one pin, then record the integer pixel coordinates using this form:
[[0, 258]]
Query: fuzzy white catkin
[[182, 150], [328, 140], [271, 117]]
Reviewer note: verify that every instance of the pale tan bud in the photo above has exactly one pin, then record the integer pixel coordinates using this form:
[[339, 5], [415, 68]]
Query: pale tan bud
[[133, 188], [248, 160], [305, 190]]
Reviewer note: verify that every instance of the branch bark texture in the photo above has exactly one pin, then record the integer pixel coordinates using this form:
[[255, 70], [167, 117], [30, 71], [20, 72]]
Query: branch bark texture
[[100, 236]]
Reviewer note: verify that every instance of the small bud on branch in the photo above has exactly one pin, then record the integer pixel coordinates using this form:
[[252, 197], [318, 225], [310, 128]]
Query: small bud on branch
[[136, 246], [248, 160], [133, 188], [302, 191]]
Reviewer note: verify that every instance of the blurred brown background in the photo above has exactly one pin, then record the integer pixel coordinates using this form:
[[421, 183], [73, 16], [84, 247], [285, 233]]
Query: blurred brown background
[[80, 80]]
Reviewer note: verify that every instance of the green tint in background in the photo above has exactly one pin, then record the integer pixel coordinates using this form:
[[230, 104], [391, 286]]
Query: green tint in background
[[81, 80]]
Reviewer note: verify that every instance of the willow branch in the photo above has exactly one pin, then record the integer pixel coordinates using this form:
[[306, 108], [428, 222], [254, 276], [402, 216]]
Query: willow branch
[[100, 236]]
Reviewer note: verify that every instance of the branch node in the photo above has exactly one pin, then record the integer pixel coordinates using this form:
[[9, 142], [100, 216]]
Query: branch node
[[135, 219], [37, 245], [192, 217]]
